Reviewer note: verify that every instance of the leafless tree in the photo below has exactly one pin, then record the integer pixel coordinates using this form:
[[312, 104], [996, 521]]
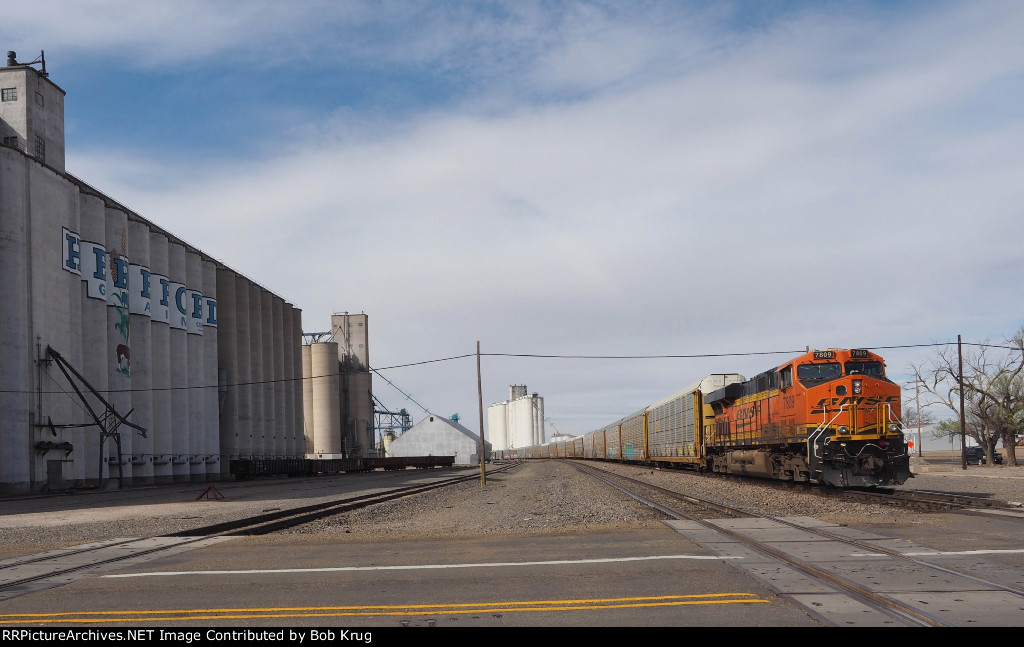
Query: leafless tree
[[993, 386], [910, 415]]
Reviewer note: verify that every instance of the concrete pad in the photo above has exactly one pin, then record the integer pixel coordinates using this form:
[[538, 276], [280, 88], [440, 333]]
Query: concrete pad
[[60, 551], [822, 552], [968, 608], [784, 579], [698, 533], [1002, 513], [843, 611], [809, 522], [898, 576], [746, 523], [736, 552]]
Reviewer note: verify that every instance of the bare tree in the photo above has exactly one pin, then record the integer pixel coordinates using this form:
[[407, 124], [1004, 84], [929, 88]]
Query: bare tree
[[993, 385], [910, 417]]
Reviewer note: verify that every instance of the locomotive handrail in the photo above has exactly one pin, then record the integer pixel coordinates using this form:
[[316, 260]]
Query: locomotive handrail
[[889, 416], [812, 437]]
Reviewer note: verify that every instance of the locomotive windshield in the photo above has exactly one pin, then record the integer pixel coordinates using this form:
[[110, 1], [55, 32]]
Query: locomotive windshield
[[871, 369], [810, 374]]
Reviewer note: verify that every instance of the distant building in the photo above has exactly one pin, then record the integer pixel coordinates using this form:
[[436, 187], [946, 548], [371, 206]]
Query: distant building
[[437, 436], [518, 421]]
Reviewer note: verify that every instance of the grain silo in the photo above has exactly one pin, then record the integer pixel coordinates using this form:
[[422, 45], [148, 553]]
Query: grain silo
[[325, 378], [98, 300], [518, 421]]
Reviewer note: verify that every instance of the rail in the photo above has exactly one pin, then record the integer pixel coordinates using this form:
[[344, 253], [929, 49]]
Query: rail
[[878, 598]]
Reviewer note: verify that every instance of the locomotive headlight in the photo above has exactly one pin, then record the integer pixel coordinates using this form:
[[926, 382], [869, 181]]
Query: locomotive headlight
[[857, 384]]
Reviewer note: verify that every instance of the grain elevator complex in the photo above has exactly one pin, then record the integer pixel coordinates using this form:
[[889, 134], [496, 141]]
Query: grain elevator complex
[[127, 353], [516, 422]]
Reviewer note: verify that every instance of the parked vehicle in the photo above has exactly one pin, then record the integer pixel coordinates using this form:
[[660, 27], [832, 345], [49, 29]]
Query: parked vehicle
[[976, 456]]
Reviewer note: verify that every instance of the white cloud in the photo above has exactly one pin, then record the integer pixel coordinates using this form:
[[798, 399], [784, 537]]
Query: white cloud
[[825, 181]]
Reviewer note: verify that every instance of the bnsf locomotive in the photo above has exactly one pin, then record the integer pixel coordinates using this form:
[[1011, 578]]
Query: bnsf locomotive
[[828, 416]]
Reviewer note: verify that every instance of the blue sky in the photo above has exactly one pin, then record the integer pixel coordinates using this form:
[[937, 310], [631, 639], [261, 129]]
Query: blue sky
[[570, 178]]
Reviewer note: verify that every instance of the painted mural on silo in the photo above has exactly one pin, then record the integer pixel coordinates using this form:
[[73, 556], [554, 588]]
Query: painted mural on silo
[[140, 309], [190, 307], [160, 354], [179, 364]]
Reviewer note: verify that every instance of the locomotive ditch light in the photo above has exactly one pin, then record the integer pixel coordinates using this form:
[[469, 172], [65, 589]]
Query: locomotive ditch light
[[842, 431], [857, 385], [894, 427]]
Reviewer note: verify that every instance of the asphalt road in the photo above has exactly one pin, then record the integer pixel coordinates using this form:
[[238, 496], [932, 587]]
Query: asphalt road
[[654, 577]]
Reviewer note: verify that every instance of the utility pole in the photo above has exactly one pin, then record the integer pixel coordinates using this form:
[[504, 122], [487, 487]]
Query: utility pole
[[917, 393], [963, 423], [480, 400]]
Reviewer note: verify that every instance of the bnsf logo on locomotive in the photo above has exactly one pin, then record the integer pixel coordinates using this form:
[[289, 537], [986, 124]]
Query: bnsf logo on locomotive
[[860, 401], [748, 412]]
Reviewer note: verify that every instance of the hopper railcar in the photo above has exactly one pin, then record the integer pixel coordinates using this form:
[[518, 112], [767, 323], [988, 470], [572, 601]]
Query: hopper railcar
[[829, 417]]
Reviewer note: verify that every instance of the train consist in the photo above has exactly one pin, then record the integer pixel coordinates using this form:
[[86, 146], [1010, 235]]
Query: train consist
[[830, 417]]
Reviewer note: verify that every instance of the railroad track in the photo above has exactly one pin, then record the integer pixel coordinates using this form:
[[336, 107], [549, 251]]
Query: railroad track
[[924, 499], [756, 535], [33, 573], [920, 499]]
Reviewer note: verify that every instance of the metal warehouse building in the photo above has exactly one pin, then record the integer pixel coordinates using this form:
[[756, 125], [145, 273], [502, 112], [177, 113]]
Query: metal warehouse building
[[124, 351], [437, 436]]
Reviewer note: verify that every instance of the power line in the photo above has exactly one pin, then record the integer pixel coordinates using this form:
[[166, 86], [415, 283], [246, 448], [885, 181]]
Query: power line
[[522, 355], [407, 396]]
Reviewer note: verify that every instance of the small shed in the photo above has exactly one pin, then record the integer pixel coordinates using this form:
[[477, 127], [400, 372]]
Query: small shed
[[437, 436]]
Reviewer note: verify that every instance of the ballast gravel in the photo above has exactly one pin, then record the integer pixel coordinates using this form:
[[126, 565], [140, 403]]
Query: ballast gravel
[[535, 497], [555, 497]]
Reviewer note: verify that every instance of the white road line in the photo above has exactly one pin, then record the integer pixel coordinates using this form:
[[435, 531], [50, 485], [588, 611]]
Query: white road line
[[936, 553], [425, 566]]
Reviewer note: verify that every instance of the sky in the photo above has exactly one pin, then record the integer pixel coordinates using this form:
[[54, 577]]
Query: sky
[[669, 189]]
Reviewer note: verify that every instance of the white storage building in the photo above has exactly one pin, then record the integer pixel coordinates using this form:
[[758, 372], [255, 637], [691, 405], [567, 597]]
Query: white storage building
[[437, 436]]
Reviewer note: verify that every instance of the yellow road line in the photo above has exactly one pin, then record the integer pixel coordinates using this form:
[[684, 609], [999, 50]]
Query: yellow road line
[[383, 610]]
